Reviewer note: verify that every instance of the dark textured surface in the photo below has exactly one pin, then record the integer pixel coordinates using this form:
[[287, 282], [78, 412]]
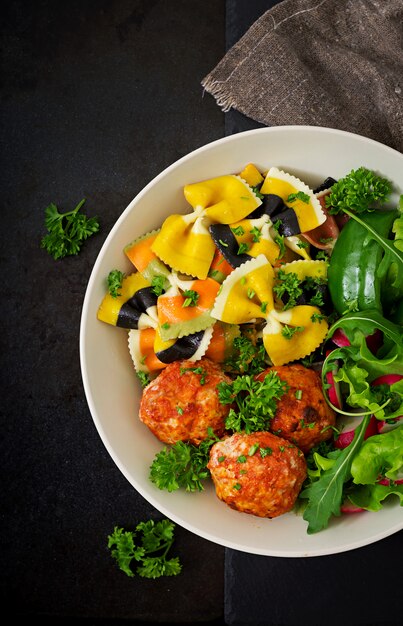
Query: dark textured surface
[[98, 96], [332, 590]]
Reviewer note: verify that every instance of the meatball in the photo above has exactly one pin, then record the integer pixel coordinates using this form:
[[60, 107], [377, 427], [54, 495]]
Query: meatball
[[303, 415], [257, 473], [182, 402]]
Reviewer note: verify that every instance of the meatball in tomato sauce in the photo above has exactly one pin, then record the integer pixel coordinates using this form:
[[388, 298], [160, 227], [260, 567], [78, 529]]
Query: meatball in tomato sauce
[[182, 403], [259, 473], [302, 415]]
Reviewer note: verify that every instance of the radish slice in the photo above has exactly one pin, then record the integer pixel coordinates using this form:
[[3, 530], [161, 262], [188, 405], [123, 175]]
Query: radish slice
[[333, 392], [387, 379], [350, 423], [386, 481], [349, 507], [340, 339], [374, 341], [384, 427]]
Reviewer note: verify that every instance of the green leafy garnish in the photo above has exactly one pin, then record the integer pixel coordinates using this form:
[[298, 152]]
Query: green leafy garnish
[[182, 465], [191, 297], [67, 231], [249, 357], [149, 550], [300, 195], [325, 495], [359, 191], [115, 279], [256, 401], [158, 284], [289, 331], [288, 284], [143, 377]]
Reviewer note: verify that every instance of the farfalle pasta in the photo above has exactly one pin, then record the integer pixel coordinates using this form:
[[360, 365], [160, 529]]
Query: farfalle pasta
[[208, 276], [184, 242]]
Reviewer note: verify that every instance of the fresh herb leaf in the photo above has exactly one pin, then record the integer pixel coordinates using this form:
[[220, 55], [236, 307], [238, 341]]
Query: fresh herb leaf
[[148, 546], [115, 280], [191, 297], [300, 195], [256, 401], [256, 234], [249, 356], [67, 231], [288, 284], [325, 495], [289, 331], [182, 465], [143, 377], [358, 192], [243, 248], [238, 230], [158, 284]]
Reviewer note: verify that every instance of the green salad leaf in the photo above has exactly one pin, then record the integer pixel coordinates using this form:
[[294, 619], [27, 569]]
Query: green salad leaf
[[325, 495], [371, 497], [379, 455]]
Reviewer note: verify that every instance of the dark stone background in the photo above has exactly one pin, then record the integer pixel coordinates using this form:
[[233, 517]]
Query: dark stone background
[[99, 96]]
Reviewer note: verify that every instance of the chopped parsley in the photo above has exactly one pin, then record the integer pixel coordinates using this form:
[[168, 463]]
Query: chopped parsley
[[115, 280], [300, 195], [191, 297], [256, 401]]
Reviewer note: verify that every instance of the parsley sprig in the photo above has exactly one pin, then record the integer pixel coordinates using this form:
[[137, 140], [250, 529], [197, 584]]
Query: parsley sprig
[[67, 231], [182, 465], [359, 191], [150, 551], [115, 280], [249, 356], [255, 401]]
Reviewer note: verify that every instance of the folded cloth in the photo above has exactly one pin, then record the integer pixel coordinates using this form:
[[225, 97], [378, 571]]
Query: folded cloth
[[334, 63]]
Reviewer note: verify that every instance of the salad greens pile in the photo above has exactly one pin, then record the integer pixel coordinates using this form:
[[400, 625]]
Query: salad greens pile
[[369, 301]]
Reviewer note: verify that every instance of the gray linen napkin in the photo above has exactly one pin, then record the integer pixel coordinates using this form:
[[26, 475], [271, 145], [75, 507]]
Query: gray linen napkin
[[334, 63]]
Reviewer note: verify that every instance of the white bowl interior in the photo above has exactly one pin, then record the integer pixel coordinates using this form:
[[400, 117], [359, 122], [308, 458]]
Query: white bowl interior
[[111, 386]]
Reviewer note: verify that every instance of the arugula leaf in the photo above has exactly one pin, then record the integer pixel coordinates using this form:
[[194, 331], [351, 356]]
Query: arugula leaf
[[182, 465], [325, 495], [67, 231], [256, 401], [150, 552]]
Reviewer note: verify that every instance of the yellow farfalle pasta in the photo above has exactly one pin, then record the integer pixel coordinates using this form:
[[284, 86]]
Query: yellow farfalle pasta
[[247, 293], [184, 242], [297, 195], [293, 334]]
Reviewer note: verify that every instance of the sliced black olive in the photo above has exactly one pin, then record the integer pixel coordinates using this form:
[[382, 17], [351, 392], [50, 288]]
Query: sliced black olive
[[183, 348], [288, 223], [271, 204], [227, 244], [327, 183]]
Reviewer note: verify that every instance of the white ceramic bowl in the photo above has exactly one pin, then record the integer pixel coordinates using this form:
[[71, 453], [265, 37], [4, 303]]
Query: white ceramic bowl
[[111, 385]]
